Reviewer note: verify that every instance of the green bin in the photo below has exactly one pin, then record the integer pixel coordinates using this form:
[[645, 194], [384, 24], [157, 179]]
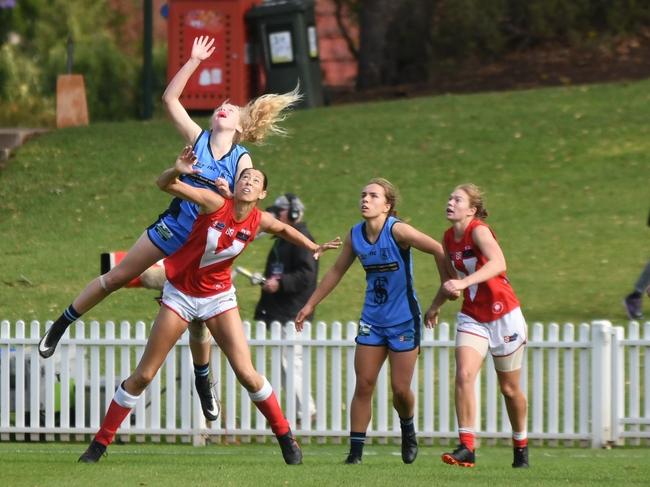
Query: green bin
[[286, 46]]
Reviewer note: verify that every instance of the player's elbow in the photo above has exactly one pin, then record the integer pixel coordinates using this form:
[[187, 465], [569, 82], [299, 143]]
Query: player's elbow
[[167, 97], [163, 184]]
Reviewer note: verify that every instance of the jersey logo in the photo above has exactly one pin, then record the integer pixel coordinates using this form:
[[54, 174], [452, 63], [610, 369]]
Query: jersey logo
[[380, 291], [466, 267], [212, 254], [389, 267], [163, 231], [243, 235], [497, 307]]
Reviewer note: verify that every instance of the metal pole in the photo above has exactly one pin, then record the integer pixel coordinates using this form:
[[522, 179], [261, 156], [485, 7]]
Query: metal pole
[[70, 54], [147, 62]]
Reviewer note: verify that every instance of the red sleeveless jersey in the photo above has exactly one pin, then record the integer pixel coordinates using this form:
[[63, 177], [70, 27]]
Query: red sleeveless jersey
[[486, 301], [201, 267]]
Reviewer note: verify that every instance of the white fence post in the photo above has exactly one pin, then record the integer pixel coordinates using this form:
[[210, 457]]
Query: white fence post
[[601, 383], [618, 383]]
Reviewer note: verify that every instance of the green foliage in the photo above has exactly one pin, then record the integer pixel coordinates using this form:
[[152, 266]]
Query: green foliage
[[22, 100], [493, 27], [44, 28], [426, 36]]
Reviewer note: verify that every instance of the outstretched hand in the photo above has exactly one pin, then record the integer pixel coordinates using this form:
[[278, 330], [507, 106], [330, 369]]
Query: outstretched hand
[[185, 161], [202, 48], [302, 315], [332, 244]]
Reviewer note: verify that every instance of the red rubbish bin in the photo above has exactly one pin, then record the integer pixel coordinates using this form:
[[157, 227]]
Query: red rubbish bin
[[227, 73]]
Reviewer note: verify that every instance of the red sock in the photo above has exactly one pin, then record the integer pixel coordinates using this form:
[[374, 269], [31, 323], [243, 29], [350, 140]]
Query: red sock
[[467, 439], [270, 408], [520, 443], [114, 417]]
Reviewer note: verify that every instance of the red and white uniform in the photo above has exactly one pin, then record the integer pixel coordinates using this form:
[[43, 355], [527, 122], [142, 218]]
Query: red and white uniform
[[487, 301], [201, 267]]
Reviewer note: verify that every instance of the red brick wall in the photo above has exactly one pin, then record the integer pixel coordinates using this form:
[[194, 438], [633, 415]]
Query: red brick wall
[[338, 65]]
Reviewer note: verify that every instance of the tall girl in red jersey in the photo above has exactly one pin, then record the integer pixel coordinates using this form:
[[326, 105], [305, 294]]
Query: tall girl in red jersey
[[199, 287], [490, 319]]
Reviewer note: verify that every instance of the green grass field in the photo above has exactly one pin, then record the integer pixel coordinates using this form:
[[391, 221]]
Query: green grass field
[[36, 464], [566, 171]]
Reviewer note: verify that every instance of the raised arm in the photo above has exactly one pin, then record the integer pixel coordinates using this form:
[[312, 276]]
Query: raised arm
[[270, 224], [168, 181], [202, 49], [328, 283]]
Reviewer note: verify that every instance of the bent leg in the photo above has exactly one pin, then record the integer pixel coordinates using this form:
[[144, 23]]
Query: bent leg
[[228, 331], [139, 258], [515, 399], [165, 332], [402, 366]]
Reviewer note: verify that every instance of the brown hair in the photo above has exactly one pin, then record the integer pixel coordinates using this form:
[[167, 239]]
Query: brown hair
[[476, 199], [390, 192], [260, 117]]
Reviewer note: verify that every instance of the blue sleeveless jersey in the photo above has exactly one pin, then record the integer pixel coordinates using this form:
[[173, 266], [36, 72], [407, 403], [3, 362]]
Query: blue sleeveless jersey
[[390, 297], [185, 212]]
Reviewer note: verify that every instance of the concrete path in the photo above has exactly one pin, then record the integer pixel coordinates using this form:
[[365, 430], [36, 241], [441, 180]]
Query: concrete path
[[10, 138]]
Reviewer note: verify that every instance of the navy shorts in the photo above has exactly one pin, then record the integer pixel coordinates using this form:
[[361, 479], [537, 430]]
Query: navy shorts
[[166, 234], [402, 337]]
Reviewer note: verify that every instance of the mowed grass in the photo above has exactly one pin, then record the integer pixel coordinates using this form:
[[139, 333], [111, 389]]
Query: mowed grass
[[566, 172], [37, 464]]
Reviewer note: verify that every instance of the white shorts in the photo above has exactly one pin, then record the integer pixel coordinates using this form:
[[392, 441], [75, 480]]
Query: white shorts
[[190, 308], [503, 336]]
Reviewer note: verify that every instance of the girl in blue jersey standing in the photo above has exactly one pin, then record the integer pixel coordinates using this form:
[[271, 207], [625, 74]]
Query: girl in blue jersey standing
[[390, 320], [220, 162]]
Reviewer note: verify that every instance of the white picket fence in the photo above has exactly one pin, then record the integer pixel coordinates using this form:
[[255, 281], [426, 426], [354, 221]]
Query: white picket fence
[[586, 385]]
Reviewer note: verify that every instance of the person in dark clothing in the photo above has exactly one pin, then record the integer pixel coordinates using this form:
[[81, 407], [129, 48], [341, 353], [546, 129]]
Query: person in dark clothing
[[632, 301], [291, 275]]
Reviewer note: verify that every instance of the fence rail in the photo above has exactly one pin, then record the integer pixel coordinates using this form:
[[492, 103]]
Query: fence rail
[[586, 384]]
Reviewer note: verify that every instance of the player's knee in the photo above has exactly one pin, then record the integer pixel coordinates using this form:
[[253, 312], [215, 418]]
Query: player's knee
[[113, 280], [464, 377], [401, 392], [364, 386], [510, 390]]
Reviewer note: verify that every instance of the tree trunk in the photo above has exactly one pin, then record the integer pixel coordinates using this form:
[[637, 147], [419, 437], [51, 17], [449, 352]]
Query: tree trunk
[[375, 17]]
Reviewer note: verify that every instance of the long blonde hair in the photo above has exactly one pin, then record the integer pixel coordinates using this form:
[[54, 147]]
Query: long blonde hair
[[261, 116]]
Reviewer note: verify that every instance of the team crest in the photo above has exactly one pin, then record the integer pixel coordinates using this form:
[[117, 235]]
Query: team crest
[[510, 338], [364, 329]]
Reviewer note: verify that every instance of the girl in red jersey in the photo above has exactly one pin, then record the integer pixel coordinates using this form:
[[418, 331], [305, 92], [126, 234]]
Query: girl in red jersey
[[199, 287], [222, 159], [490, 319]]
